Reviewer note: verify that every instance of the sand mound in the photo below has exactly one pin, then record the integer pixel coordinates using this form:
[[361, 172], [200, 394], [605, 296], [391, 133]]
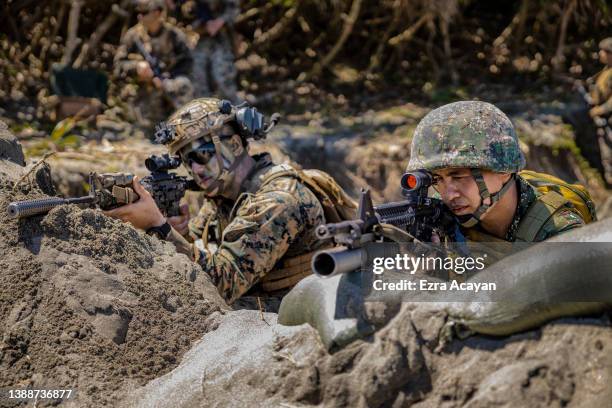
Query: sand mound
[[86, 302], [262, 364]]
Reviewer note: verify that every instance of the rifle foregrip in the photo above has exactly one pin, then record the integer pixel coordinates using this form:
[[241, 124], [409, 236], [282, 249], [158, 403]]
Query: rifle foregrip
[[28, 208]]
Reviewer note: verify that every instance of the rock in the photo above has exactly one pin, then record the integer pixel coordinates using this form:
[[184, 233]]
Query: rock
[[10, 148]]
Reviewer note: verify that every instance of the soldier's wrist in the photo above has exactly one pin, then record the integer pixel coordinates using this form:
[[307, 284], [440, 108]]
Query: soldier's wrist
[[159, 221], [161, 231]]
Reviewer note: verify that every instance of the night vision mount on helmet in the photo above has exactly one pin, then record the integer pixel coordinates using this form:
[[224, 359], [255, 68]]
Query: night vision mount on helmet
[[200, 118]]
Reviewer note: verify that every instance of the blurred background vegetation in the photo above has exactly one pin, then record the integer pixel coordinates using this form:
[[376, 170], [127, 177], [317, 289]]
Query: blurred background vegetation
[[353, 52]]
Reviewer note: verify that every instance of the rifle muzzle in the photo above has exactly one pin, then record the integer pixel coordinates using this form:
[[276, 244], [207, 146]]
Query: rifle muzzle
[[29, 208], [331, 262]]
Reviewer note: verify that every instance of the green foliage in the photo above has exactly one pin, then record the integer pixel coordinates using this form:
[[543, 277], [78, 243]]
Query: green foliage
[[59, 140]]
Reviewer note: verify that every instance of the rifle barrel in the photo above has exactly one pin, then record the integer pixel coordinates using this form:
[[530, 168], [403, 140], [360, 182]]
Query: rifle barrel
[[29, 208]]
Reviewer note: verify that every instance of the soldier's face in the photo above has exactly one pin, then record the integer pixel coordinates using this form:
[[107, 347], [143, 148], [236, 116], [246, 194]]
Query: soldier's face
[[149, 19], [605, 57], [459, 190], [203, 161]]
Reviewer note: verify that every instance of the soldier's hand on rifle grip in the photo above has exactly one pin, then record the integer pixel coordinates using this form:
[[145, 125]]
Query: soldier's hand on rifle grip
[[144, 71], [143, 214], [181, 222]]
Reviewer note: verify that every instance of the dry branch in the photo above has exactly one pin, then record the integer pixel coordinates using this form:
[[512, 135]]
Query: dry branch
[[409, 33], [559, 58], [73, 27], [117, 11], [349, 23]]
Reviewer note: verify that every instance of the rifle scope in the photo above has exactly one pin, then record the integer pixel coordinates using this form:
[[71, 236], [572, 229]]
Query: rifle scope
[[162, 163]]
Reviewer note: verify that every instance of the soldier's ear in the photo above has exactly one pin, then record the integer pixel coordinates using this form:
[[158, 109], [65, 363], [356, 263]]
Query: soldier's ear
[[236, 145]]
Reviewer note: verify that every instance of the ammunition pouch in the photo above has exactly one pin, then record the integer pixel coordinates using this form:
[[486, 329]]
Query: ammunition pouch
[[288, 272]]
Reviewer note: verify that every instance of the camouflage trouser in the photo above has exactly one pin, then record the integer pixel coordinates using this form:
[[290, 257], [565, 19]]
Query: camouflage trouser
[[214, 72], [153, 105]]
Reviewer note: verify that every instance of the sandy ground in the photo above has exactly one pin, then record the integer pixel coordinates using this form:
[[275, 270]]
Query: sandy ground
[[89, 303]]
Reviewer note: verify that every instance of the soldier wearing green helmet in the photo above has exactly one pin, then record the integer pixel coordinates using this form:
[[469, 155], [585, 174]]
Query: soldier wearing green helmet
[[473, 152]]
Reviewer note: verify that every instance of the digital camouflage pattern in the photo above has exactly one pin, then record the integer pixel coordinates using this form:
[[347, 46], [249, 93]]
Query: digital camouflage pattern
[[214, 70], [267, 223], [564, 220], [169, 47], [468, 134]]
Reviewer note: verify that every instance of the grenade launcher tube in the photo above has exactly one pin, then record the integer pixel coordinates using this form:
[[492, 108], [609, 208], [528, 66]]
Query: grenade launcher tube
[[336, 261]]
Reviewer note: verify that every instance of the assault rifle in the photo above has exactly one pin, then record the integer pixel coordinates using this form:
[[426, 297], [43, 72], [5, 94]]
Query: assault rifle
[[112, 190], [415, 219], [153, 62]]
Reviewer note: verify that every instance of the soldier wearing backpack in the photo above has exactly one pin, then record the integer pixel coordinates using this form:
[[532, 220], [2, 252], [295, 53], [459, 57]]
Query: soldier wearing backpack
[[473, 152], [265, 215]]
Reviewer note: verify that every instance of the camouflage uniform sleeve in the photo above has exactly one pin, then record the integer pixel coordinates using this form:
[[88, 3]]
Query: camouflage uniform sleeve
[[565, 220], [184, 59], [124, 65], [607, 105], [207, 214], [602, 96], [266, 224], [231, 12]]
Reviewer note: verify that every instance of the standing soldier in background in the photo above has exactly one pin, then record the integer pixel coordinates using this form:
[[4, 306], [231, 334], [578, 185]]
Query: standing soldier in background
[[601, 83], [156, 54], [600, 100], [214, 72], [591, 118]]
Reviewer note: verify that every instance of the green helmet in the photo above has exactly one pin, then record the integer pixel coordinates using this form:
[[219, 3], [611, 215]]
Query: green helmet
[[469, 134]]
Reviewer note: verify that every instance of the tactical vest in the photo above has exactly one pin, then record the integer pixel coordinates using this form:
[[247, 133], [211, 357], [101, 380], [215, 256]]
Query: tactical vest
[[337, 206], [553, 195]]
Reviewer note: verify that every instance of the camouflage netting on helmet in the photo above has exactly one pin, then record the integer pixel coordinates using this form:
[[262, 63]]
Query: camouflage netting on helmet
[[468, 134]]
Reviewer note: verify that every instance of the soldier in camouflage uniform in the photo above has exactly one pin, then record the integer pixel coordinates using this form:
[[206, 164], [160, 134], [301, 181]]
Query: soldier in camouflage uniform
[[164, 87], [265, 217], [473, 151], [214, 72], [601, 83], [600, 100]]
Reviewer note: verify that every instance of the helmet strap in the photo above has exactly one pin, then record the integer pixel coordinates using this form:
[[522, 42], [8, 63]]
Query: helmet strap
[[224, 171], [471, 220]]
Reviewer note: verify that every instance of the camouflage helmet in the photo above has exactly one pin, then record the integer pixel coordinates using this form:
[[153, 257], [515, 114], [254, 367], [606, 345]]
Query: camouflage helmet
[[606, 44], [469, 134], [149, 5], [194, 120]]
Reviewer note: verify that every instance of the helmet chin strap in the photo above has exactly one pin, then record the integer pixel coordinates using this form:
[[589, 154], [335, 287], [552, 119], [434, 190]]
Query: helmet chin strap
[[224, 170], [470, 220]]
